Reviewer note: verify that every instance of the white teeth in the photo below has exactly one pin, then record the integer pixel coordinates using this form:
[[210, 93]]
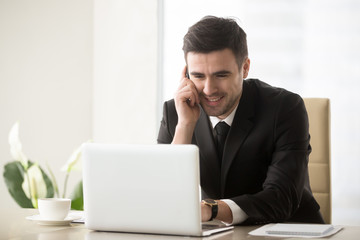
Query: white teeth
[[214, 100]]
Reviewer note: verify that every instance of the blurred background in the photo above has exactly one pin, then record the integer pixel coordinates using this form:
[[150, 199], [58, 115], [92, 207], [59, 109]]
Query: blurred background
[[74, 70]]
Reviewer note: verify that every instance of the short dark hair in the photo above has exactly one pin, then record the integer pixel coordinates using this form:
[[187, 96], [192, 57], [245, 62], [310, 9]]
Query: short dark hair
[[213, 33]]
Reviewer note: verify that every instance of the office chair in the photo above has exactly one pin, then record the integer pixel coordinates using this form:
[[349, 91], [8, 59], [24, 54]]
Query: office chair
[[319, 161]]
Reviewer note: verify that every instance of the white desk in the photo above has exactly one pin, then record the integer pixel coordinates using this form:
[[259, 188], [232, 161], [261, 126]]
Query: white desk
[[13, 225]]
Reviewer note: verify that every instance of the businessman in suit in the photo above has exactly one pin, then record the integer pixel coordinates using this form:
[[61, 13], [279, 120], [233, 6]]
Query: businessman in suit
[[253, 138]]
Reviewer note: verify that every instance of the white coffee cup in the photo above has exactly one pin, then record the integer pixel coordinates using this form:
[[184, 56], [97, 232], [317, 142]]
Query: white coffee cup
[[55, 209]]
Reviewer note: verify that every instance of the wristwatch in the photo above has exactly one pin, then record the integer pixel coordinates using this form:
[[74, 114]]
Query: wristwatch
[[214, 207]]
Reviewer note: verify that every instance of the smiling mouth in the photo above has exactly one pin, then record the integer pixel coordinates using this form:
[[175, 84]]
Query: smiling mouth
[[213, 100]]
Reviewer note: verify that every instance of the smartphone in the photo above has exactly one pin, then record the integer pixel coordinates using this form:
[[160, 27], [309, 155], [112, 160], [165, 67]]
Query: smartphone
[[187, 73]]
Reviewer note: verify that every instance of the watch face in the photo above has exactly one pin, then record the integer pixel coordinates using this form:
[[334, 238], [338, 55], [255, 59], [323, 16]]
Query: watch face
[[210, 201]]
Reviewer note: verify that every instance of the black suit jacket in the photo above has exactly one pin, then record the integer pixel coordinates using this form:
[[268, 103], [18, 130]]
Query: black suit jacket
[[264, 168]]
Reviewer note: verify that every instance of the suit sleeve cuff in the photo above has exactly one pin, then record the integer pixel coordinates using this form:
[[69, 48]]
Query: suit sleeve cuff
[[238, 214]]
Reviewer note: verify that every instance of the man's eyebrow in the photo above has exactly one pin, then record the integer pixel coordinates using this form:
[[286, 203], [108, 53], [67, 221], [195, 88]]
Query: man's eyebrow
[[222, 72], [196, 73], [215, 73]]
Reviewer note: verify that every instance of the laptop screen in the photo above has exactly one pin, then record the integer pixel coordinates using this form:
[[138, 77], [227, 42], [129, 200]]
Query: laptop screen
[[142, 188]]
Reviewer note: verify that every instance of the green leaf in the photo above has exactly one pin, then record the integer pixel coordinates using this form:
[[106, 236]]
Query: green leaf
[[14, 177], [77, 200]]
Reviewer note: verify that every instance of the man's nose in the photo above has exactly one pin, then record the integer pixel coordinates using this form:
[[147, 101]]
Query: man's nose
[[210, 87]]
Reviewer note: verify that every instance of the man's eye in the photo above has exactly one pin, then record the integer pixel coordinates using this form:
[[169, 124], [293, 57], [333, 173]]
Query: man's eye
[[222, 75], [198, 76]]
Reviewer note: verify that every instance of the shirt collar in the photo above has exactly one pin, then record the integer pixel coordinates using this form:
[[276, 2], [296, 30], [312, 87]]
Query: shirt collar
[[229, 119]]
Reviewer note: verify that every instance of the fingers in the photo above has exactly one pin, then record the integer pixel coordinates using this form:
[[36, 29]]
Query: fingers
[[188, 87], [187, 92], [187, 101]]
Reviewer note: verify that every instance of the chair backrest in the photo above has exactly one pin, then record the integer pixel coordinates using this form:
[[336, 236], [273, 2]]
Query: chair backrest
[[319, 161]]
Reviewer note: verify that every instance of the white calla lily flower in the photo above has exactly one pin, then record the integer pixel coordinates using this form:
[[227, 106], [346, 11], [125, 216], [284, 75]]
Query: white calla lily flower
[[74, 161], [16, 146], [37, 187]]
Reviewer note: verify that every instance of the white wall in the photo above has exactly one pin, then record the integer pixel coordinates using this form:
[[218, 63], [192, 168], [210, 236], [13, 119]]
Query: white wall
[[125, 71], [73, 70], [45, 81]]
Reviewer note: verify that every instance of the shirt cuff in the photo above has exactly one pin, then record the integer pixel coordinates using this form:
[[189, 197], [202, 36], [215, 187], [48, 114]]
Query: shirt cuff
[[238, 214]]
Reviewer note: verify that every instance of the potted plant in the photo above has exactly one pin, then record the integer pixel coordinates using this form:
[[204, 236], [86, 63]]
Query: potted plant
[[27, 181]]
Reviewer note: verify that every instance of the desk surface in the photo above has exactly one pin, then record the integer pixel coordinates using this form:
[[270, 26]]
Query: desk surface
[[13, 225]]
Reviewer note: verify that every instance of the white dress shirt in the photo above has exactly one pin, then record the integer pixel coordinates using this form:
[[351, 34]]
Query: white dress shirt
[[238, 214]]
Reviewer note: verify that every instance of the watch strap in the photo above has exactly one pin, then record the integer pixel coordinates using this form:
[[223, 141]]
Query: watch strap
[[214, 207]]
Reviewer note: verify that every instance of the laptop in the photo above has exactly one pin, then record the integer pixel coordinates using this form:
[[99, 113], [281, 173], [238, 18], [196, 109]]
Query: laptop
[[144, 189]]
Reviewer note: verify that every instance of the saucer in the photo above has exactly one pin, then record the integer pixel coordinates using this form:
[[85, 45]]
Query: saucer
[[66, 221]]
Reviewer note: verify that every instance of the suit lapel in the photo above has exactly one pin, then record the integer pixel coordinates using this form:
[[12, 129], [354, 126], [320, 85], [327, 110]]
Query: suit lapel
[[240, 128], [209, 162]]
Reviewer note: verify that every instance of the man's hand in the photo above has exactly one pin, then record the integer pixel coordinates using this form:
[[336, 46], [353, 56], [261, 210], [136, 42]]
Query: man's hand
[[205, 212], [186, 101], [187, 107]]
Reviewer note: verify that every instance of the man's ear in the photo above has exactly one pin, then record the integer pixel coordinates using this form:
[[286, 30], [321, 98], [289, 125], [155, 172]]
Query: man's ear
[[246, 68]]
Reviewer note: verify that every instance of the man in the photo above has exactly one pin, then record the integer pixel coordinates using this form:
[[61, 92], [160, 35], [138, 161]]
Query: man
[[259, 174]]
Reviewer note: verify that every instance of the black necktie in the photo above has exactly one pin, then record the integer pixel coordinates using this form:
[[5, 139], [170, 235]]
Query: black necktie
[[222, 130]]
